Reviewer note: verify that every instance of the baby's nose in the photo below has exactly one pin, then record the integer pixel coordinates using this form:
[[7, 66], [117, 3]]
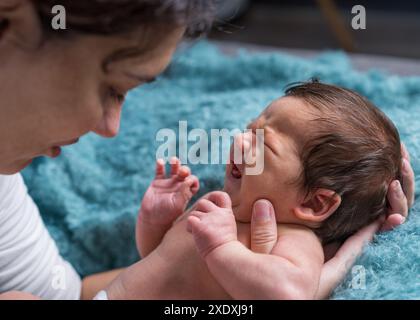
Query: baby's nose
[[241, 145], [247, 141]]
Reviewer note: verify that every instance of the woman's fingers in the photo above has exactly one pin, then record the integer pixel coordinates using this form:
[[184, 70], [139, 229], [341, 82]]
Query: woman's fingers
[[408, 181], [392, 221], [404, 152], [263, 227], [407, 176], [397, 199], [400, 197]]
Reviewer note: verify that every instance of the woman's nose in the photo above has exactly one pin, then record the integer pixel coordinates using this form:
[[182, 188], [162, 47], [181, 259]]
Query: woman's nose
[[109, 125]]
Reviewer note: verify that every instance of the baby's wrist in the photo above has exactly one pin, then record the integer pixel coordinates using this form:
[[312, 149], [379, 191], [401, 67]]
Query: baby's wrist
[[219, 251], [148, 220]]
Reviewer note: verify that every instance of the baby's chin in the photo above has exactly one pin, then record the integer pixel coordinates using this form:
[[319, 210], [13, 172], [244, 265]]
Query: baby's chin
[[242, 214]]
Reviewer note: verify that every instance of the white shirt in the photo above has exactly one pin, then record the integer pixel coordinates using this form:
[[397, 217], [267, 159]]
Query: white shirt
[[29, 258]]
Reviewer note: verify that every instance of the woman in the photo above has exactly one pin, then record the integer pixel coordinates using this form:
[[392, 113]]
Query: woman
[[56, 86]]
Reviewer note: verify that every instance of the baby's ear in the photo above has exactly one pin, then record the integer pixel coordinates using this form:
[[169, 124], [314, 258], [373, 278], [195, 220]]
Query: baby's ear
[[318, 206]]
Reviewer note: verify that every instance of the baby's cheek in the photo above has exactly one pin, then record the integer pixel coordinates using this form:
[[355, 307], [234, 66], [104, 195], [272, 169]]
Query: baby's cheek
[[253, 188], [261, 185]]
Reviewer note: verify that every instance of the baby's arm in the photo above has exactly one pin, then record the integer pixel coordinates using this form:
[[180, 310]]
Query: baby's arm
[[164, 201], [291, 271]]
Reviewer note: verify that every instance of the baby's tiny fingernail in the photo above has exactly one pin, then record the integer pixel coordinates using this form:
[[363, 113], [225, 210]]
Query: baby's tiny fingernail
[[402, 219]]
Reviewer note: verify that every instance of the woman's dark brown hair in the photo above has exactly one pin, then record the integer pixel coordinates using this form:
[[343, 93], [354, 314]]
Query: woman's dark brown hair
[[354, 150], [120, 16], [114, 17]]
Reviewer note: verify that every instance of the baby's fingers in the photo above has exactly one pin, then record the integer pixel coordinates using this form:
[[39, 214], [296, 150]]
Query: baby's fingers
[[183, 173], [194, 220], [175, 164], [205, 205], [160, 169], [220, 199], [193, 183]]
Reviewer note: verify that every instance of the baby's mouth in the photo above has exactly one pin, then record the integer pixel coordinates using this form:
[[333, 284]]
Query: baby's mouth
[[235, 172]]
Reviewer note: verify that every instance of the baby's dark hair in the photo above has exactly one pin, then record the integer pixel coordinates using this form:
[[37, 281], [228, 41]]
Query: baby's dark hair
[[354, 150], [120, 16]]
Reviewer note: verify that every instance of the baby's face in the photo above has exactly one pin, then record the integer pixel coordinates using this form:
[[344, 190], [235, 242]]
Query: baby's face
[[284, 123]]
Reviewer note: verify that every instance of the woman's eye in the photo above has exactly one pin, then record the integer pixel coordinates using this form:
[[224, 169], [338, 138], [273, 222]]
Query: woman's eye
[[116, 96]]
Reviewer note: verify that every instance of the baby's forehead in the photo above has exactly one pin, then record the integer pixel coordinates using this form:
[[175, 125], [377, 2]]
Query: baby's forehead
[[289, 111], [290, 116]]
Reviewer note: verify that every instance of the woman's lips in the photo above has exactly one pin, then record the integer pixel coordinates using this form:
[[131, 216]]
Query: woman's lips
[[55, 152]]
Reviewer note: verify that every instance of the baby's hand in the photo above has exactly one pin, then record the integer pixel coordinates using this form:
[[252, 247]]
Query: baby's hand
[[212, 222], [167, 197]]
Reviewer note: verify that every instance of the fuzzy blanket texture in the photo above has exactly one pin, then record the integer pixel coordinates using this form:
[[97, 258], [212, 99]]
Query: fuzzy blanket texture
[[89, 197]]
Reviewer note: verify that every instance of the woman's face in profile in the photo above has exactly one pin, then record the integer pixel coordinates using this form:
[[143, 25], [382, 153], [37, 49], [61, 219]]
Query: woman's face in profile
[[55, 92]]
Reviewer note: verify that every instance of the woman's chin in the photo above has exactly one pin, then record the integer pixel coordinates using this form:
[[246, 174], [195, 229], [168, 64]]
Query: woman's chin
[[15, 167], [24, 165]]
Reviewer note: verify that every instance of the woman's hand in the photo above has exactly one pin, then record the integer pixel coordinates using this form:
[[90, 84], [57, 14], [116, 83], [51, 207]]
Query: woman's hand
[[400, 197], [336, 268], [338, 263]]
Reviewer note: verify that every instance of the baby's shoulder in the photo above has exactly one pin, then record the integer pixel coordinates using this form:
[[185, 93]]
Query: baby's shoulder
[[299, 239], [296, 231]]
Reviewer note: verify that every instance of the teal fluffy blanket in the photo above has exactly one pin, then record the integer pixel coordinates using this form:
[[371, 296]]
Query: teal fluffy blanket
[[89, 197]]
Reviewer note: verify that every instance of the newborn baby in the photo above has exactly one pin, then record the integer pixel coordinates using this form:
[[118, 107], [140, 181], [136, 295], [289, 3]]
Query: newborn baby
[[329, 157]]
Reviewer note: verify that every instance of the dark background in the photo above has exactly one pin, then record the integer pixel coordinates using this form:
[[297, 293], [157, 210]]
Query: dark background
[[393, 27]]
